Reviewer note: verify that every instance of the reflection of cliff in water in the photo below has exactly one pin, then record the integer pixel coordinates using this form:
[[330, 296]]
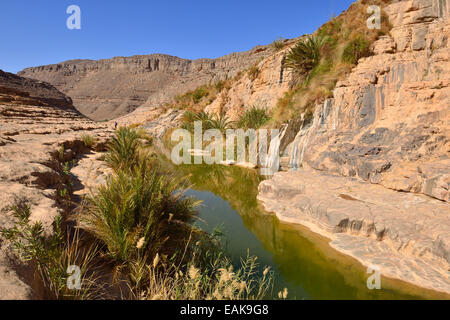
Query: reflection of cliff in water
[[303, 260]]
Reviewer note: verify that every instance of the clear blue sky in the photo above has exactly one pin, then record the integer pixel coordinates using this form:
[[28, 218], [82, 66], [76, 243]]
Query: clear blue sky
[[34, 33]]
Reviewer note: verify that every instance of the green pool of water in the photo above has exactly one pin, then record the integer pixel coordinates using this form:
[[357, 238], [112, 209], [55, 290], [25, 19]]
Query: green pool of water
[[302, 261]]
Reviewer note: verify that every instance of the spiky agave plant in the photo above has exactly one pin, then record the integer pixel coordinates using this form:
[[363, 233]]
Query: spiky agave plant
[[305, 55]]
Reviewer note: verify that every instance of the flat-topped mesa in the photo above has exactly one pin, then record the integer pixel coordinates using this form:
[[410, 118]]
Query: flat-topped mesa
[[110, 88], [13, 85]]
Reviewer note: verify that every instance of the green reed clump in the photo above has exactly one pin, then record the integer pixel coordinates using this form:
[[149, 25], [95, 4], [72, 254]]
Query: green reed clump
[[88, 140], [277, 44], [209, 121], [305, 55], [190, 117], [207, 275], [253, 118], [141, 206], [125, 147]]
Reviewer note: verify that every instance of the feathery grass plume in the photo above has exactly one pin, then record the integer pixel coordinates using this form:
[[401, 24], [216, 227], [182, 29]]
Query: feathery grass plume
[[305, 55], [253, 118], [125, 147], [141, 202], [214, 280]]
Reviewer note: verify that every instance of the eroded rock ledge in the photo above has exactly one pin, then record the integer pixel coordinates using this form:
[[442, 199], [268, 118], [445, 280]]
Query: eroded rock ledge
[[407, 235], [34, 138]]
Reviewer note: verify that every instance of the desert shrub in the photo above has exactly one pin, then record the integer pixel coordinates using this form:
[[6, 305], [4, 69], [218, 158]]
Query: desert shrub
[[277, 44], [219, 85], [53, 255], [253, 118], [356, 49], [198, 94], [253, 72], [88, 140], [124, 148]]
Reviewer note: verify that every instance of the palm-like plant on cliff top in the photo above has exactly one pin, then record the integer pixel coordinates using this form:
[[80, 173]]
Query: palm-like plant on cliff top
[[305, 55]]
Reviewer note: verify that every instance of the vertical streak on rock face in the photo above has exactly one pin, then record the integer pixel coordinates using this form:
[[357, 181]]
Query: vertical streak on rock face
[[367, 107], [336, 117], [390, 117], [442, 8]]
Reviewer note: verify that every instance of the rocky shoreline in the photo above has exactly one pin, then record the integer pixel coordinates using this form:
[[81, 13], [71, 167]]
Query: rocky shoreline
[[406, 235]]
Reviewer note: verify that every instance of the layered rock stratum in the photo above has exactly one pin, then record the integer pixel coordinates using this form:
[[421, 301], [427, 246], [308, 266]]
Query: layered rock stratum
[[109, 88], [371, 171], [39, 130]]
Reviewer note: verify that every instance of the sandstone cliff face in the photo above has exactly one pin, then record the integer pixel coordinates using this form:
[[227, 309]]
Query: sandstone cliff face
[[31, 135], [110, 88], [389, 121], [387, 129], [13, 85], [261, 90]]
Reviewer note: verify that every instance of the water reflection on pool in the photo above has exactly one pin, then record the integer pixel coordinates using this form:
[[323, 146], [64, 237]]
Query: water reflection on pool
[[302, 261]]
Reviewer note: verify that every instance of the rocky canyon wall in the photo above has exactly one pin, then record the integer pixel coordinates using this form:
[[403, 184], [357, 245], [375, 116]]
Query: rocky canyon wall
[[110, 88], [386, 129], [389, 121], [40, 131]]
